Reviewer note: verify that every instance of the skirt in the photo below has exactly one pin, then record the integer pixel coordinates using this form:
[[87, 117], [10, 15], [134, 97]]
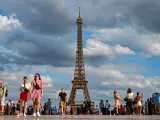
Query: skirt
[[139, 103]]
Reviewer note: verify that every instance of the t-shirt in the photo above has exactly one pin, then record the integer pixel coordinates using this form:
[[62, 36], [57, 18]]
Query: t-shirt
[[130, 95], [27, 85], [62, 96], [122, 109], [101, 105], [107, 105], [49, 103], [156, 98]]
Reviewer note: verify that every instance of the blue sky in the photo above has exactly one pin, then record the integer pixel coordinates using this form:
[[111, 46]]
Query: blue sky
[[121, 49]]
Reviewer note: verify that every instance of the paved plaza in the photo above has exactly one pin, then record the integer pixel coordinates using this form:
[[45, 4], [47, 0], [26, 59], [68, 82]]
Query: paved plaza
[[80, 117]]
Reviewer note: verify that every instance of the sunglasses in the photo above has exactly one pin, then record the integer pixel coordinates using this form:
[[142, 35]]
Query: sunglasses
[[36, 76]]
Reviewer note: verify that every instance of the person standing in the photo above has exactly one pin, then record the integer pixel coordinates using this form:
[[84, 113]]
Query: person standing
[[49, 105], [107, 106], [36, 93], [117, 101], [2, 97], [62, 97], [129, 101], [101, 107], [24, 95], [139, 103]]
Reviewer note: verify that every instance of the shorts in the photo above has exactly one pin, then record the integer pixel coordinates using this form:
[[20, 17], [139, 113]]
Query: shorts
[[63, 104], [24, 96], [2, 101]]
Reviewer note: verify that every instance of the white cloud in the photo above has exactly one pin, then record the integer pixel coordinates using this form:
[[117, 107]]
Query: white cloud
[[148, 43], [8, 23], [123, 50], [96, 47]]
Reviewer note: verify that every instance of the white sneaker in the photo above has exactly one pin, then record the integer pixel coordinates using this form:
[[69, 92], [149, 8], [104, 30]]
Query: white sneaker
[[34, 114], [38, 114], [24, 114], [20, 114]]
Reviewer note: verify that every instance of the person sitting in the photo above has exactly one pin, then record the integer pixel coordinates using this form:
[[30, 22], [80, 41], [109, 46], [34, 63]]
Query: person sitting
[[122, 110]]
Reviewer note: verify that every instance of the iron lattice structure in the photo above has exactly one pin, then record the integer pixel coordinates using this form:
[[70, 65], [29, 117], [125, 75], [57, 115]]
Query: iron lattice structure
[[79, 81]]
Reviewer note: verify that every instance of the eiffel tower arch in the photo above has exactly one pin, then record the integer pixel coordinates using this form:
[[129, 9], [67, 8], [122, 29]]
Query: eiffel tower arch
[[79, 81]]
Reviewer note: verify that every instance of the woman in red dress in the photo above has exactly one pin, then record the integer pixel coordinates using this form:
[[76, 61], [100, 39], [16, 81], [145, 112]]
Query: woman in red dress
[[24, 95]]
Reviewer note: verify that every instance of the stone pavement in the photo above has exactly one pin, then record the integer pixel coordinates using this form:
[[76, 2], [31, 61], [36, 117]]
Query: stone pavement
[[81, 117]]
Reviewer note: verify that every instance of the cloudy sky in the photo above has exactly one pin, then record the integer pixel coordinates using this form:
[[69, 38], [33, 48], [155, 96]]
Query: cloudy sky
[[121, 40]]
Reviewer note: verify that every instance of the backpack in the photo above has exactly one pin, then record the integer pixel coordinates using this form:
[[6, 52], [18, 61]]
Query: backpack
[[6, 95], [2, 90], [135, 100]]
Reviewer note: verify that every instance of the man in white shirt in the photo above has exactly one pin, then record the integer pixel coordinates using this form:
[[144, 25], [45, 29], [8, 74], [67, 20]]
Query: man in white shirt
[[24, 95], [107, 106]]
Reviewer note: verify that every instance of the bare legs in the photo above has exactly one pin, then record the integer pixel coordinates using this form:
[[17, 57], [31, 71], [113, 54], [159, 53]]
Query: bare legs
[[25, 107], [139, 110], [116, 107], [36, 106], [21, 106], [2, 108]]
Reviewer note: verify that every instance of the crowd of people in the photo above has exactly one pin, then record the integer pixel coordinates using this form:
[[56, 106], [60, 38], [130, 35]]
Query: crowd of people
[[34, 90]]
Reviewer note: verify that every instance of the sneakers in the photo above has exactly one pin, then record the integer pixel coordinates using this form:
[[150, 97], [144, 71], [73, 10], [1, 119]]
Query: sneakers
[[38, 114], [24, 114], [34, 114], [20, 114]]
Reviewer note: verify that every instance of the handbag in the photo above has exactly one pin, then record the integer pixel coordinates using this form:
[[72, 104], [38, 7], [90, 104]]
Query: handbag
[[26, 90], [37, 87]]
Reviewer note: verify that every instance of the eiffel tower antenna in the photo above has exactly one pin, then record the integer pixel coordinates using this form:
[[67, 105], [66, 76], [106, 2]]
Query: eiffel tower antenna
[[79, 12]]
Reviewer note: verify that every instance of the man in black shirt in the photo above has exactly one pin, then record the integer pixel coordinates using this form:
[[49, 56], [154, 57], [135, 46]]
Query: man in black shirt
[[62, 97]]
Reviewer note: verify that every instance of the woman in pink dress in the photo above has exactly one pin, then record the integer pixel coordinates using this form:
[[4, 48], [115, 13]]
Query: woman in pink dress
[[36, 93]]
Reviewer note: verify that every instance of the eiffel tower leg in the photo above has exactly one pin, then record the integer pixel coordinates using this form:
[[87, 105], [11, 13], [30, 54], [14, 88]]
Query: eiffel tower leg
[[86, 93], [72, 95]]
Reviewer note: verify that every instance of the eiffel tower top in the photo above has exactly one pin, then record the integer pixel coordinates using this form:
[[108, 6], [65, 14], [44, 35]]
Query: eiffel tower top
[[79, 19]]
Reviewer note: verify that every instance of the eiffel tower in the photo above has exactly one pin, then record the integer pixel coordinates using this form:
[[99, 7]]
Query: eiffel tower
[[79, 81]]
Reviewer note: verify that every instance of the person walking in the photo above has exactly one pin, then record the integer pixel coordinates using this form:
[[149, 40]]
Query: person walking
[[36, 93], [62, 97], [2, 97], [24, 95]]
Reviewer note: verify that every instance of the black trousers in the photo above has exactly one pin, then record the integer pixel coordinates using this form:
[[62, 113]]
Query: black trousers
[[129, 107]]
